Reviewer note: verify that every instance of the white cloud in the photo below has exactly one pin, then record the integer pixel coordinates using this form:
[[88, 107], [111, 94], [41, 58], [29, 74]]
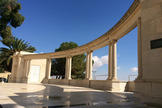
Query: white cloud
[[104, 59], [134, 69], [98, 62]]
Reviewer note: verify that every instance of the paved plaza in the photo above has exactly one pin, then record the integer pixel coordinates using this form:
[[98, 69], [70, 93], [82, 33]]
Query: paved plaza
[[16, 95]]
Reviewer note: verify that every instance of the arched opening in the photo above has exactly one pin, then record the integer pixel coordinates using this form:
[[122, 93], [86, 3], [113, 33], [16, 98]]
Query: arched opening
[[58, 68], [100, 65], [128, 57], [78, 67]]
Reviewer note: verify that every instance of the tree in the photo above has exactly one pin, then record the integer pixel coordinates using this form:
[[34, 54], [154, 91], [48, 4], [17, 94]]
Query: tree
[[78, 63], [13, 45], [9, 17]]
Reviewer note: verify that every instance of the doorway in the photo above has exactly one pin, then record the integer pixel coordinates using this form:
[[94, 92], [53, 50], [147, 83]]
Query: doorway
[[34, 74]]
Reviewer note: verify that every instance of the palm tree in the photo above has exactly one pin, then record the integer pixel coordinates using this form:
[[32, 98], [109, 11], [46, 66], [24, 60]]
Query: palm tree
[[13, 45]]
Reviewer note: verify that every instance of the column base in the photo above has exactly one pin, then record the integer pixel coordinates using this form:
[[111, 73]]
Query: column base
[[68, 79], [87, 79], [45, 81], [114, 79], [109, 79], [11, 81], [24, 80]]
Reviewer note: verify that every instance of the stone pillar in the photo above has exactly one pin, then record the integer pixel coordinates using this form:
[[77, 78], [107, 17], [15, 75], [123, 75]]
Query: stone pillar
[[139, 77], [89, 66], [48, 68], [28, 67], [68, 68], [19, 71], [14, 68], [114, 60], [26, 70], [110, 63]]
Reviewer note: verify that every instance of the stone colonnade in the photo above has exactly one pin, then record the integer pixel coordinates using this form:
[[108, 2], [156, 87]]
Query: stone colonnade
[[129, 21], [144, 14], [112, 61]]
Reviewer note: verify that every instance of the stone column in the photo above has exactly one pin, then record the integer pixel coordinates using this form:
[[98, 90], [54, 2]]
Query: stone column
[[14, 68], [110, 63], [89, 66], [139, 77], [114, 60], [68, 68], [19, 71], [26, 70], [48, 68]]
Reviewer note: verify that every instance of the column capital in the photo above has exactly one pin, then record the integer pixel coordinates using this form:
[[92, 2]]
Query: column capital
[[90, 51], [27, 59], [138, 21], [48, 59], [112, 41], [69, 56]]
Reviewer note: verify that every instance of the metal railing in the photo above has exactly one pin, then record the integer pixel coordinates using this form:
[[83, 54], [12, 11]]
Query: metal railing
[[100, 77], [132, 77]]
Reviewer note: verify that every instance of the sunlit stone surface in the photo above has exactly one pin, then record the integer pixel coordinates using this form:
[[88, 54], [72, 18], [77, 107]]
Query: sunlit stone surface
[[58, 96]]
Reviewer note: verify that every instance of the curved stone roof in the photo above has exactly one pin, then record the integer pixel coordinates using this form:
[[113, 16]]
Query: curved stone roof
[[121, 28]]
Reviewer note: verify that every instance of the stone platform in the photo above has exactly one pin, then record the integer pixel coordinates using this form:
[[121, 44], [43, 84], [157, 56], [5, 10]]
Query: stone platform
[[16, 95]]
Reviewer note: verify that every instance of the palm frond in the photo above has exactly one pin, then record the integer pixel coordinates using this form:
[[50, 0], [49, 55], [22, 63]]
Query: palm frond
[[13, 45]]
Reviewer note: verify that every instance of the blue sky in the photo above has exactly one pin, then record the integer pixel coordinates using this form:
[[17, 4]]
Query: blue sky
[[48, 23]]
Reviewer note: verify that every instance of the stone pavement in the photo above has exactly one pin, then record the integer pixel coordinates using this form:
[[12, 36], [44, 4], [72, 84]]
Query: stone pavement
[[16, 95]]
